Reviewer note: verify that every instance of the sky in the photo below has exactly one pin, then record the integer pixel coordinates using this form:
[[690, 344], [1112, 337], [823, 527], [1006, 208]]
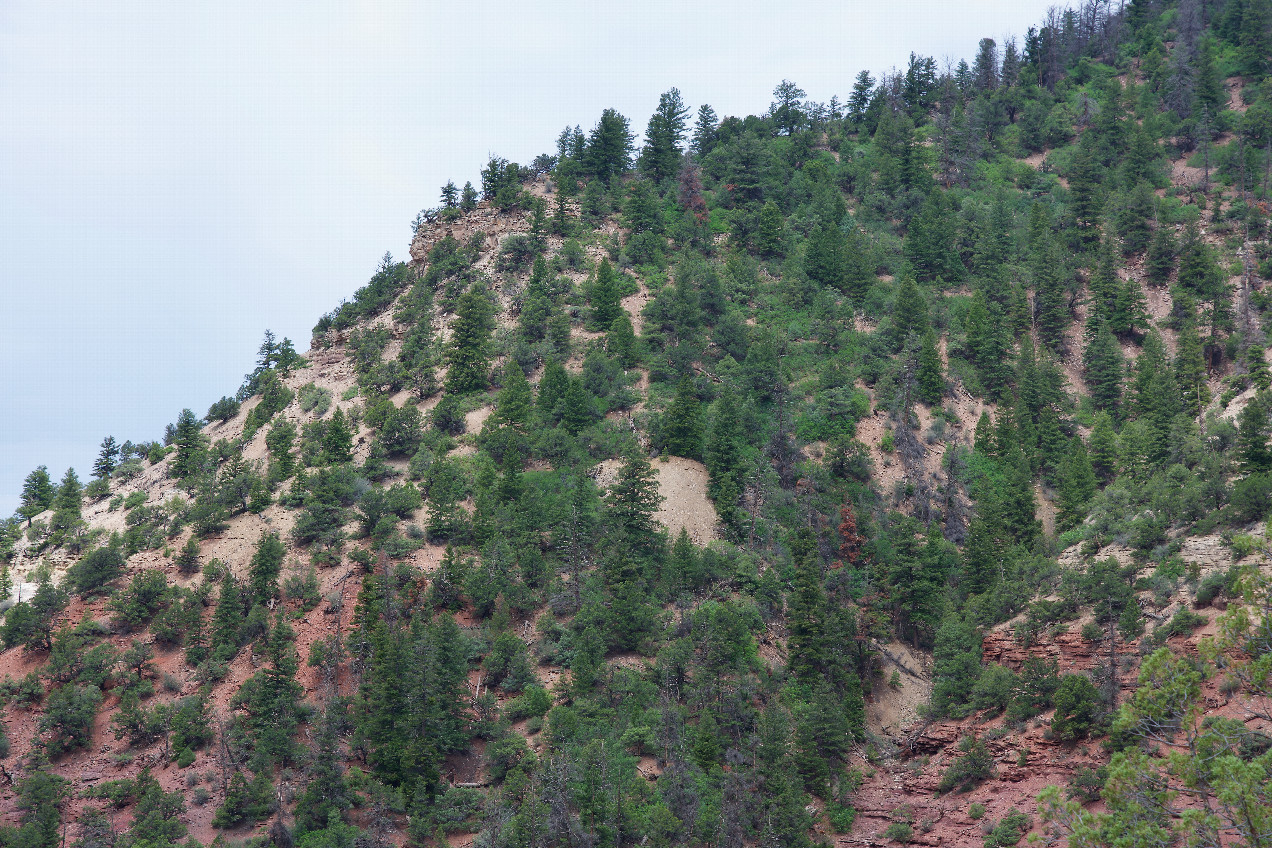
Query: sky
[[175, 178]]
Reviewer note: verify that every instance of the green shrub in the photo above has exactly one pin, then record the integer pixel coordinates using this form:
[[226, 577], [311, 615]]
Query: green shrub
[[840, 816], [314, 398], [1009, 831], [95, 569], [1078, 707], [899, 832], [976, 811], [534, 701], [976, 764]]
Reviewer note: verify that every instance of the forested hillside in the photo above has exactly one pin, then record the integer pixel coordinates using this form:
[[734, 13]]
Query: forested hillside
[[889, 470]]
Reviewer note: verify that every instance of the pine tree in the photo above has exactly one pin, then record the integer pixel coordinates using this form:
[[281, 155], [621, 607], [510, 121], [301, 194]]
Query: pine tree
[[1051, 314], [826, 257], [70, 494], [1252, 435], [983, 442], [909, 313], [1255, 54], [107, 459], [552, 386], [806, 645], [604, 298], [1190, 370], [1103, 453], [1103, 366], [930, 241], [38, 493], [704, 131], [1077, 484], [468, 358], [1161, 256], [1135, 217], [682, 425], [191, 445], [770, 232], [609, 147], [515, 399], [267, 564], [227, 619], [468, 197], [188, 559], [620, 342], [576, 407], [337, 440], [633, 499], [724, 447], [929, 375]]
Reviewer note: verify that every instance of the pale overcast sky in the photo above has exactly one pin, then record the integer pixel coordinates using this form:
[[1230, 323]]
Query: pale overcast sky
[[177, 177]]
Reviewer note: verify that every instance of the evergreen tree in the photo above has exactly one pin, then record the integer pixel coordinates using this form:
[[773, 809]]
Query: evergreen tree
[[682, 425], [1252, 436], [1161, 256], [1103, 453], [468, 357], [1103, 366], [70, 494], [468, 197], [191, 446], [337, 440], [1135, 217], [227, 619], [1255, 54], [930, 241], [770, 231], [806, 647], [666, 131], [1051, 313], [620, 342], [267, 564], [1077, 484], [605, 300], [633, 499], [825, 258], [724, 447], [552, 386], [909, 313], [38, 493], [929, 375], [1190, 370], [576, 407], [107, 459], [609, 147], [704, 131]]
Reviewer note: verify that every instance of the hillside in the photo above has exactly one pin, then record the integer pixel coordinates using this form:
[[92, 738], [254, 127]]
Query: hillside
[[889, 471]]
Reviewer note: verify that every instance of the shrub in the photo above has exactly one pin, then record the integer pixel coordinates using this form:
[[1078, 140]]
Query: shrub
[[68, 717], [314, 398], [995, 689], [840, 816], [976, 811], [1008, 831], [223, 410], [302, 588], [1251, 497], [899, 832], [137, 603], [976, 764], [95, 569], [97, 489], [534, 701], [1078, 707]]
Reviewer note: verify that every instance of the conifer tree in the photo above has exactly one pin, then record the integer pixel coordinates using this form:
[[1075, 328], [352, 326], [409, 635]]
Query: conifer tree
[[267, 564], [983, 442], [1255, 54], [724, 447], [227, 619], [930, 241], [70, 494], [1051, 314], [605, 299], [107, 459], [909, 313], [1103, 453], [38, 493], [468, 197], [826, 256], [1103, 366], [1077, 484], [190, 443], [620, 342], [1190, 370], [1135, 217], [468, 358], [770, 231], [682, 425], [337, 440], [552, 386], [515, 399], [1161, 256], [576, 407], [928, 375], [1252, 435], [633, 498], [806, 645]]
